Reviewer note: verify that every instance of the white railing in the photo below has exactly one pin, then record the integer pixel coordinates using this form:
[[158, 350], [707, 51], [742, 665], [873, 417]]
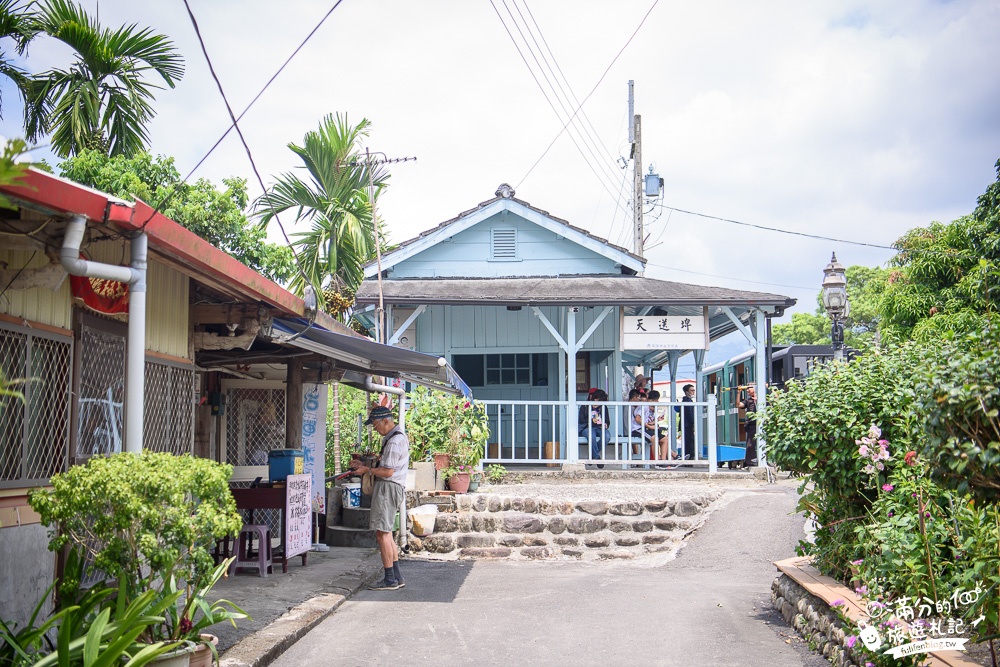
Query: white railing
[[538, 432]]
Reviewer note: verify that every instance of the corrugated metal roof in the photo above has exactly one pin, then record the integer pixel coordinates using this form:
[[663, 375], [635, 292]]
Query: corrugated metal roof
[[604, 290]]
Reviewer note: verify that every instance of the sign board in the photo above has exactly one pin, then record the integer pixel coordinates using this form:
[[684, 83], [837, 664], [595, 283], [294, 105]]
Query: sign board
[[665, 332], [314, 441], [298, 515]]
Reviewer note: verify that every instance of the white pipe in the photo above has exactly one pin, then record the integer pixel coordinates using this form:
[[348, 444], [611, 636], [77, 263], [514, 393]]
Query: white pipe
[[135, 276], [382, 388]]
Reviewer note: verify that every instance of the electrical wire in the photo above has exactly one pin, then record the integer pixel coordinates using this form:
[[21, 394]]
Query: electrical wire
[[159, 207], [545, 94], [742, 280], [783, 231], [592, 91], [18, 274], [243, 140], [588, 139]]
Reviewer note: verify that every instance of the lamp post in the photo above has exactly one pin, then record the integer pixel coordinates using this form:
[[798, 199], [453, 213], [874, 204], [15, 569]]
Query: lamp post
[[835, 302]]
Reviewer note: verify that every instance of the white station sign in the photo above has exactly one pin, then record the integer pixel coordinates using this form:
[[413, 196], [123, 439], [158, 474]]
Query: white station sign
[[665, 332]]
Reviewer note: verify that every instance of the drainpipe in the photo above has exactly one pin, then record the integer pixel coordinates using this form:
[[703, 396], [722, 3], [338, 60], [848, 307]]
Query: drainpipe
[[135, 276]]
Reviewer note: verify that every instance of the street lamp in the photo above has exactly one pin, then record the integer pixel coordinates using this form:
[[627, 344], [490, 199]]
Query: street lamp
[[836, 303]]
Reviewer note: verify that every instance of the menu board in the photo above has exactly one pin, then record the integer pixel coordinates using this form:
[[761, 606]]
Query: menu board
[[298, 515]]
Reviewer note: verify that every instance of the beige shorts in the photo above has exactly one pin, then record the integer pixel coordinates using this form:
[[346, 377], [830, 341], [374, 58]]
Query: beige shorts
[[386, 500]]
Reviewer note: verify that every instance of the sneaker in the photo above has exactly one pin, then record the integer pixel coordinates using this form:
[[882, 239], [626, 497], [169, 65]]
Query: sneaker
[[386, 585]]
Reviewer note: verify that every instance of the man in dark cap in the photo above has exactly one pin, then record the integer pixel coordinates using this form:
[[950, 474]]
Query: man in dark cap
[[387, 496]]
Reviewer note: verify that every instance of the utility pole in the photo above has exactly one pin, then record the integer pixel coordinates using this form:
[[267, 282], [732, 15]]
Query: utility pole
[[635, 136]]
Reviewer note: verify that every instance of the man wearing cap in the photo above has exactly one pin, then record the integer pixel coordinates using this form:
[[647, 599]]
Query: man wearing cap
[[387, 496]]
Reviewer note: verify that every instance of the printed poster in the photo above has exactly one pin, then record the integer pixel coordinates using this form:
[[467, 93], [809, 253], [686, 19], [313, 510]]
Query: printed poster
[[298, 515], [314, 400]]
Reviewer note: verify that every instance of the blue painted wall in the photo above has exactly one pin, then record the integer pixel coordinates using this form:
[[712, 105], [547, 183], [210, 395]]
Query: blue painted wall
[[540, 252]]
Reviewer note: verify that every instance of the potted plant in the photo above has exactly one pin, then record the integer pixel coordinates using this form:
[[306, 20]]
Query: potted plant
[[149, 521], [458, 477], [475, 480]]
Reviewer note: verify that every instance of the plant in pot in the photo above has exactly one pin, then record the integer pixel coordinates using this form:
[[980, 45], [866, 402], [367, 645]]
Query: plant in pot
[[149, 521], [458, 477]]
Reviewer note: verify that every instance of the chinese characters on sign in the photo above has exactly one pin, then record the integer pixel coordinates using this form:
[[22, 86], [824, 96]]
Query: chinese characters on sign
[[920, 625], [665, 332], [314, 441], [298, 514]]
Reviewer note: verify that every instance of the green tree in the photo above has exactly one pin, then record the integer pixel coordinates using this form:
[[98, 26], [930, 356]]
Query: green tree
[[946, 277], [864, 288], [104, 98], [333, 198], [215, 215], [804, 329], [17, 23]]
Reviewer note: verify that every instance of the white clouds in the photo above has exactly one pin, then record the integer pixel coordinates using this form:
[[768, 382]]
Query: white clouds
[[855, 120]]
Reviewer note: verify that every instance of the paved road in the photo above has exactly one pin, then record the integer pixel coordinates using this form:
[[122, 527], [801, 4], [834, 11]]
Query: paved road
[[709, 606]]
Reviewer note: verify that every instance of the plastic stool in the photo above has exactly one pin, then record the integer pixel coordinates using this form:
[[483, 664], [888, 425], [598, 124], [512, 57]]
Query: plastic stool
[[244, 546]]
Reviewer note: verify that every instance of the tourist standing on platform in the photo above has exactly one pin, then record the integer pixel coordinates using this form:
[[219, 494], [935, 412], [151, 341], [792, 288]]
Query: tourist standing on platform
[[387, 496], [687, 422], [749, 403]]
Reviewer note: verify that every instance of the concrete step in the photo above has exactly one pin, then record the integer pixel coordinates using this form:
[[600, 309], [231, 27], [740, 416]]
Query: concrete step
[[355, 517], [342, 536]]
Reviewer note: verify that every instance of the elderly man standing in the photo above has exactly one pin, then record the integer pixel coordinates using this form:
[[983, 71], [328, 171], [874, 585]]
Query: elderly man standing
[[387, 496]]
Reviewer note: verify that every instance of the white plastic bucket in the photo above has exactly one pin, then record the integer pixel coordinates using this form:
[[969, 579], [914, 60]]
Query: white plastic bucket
[[423, 519], [352, 494]]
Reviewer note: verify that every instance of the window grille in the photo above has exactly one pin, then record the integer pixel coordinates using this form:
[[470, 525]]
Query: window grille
[[503, 244], [102, 392], [34, 434], [168, 424], [255, 424]]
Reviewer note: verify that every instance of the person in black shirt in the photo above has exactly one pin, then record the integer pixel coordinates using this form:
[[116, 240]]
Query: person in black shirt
[[749, 403]]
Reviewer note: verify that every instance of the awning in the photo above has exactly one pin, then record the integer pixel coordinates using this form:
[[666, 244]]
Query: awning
[[365, 356]]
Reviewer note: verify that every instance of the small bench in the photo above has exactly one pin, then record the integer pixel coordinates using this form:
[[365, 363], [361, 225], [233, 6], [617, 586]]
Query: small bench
[[244, 549]]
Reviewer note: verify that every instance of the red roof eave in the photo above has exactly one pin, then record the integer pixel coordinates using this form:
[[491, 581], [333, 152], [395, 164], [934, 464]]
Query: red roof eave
[[165, 236]]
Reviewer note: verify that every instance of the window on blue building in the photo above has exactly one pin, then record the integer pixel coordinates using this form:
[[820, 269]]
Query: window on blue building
[[521, 368]]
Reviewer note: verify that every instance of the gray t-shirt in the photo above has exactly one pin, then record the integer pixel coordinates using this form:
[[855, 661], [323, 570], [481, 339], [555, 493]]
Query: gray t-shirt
[[396, 455]]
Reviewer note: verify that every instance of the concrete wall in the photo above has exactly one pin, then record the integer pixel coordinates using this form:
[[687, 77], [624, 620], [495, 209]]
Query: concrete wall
[[26, 571]]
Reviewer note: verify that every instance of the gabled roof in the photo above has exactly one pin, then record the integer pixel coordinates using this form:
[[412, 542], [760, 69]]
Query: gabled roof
[[505, 201], [564, 291]]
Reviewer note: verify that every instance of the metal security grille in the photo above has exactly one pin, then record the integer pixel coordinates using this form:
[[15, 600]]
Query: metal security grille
[[168, 425], [255, 424], [102, 392], [34, 434]]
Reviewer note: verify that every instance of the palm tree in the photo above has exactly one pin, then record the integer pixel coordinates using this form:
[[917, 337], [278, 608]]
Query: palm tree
[[104, 99], [18, 23], [334, 199]]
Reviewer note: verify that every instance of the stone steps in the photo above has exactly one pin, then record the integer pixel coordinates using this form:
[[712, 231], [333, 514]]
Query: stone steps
[[486, 526]]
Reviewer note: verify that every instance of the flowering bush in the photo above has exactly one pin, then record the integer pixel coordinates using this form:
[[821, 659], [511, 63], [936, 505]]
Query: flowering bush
[[444, 423], [873, 451], [453, 470]]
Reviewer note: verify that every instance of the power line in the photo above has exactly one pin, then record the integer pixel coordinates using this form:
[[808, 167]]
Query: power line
[[159, 207], [592, 90], [542, 88], [588, 138], [243, 140], [742, 280], [780, 231]]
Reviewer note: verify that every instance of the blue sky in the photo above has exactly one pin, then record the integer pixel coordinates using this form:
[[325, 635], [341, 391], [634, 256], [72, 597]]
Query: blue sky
[[852, 120]]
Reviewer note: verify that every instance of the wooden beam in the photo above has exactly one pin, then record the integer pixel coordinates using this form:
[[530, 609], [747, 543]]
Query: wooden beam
[[227, 313], [293, 405]]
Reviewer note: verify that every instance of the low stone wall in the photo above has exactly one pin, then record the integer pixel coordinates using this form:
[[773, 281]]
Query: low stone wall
[[813, 619], [494, 526]]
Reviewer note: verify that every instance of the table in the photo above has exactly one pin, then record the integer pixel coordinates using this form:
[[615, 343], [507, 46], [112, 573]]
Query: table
[[261, 498]]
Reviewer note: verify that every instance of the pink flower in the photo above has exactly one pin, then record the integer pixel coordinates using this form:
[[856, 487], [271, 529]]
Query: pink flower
[[850, 640], [910, 458], [863, 450], [887, 487], [836, 603], [858, 561]]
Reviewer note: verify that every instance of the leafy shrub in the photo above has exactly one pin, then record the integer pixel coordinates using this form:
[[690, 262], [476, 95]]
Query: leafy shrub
[[438, 422], [141, 518], [812, 428], [958, 399]]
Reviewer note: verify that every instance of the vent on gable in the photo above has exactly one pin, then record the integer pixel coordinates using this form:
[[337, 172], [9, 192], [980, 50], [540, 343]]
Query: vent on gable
[[503, 244]]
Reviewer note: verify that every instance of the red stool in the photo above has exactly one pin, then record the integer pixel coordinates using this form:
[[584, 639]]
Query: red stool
[[244, 547]]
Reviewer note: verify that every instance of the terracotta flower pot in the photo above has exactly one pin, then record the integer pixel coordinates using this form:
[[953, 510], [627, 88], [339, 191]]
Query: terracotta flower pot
[[441, 461], [203, 655], [459, 483]]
